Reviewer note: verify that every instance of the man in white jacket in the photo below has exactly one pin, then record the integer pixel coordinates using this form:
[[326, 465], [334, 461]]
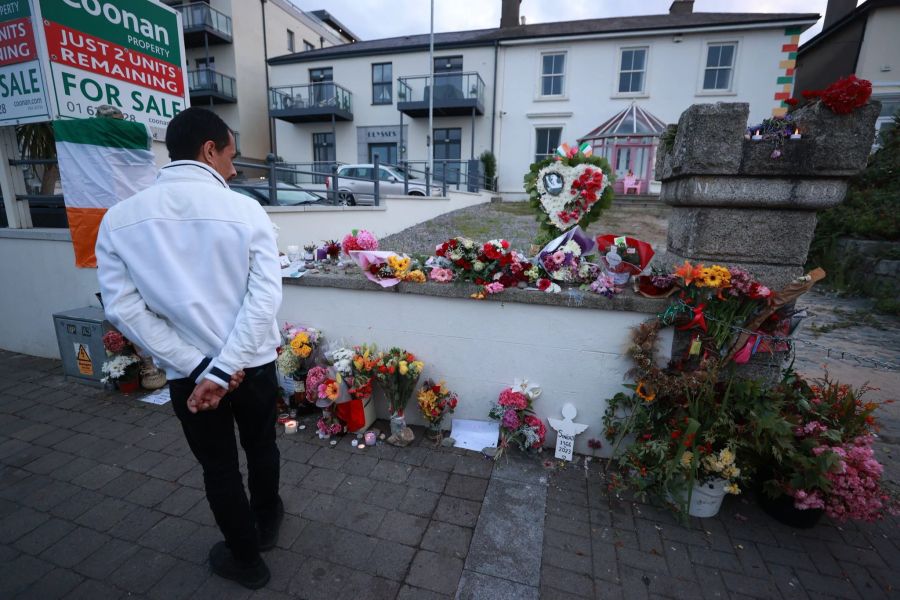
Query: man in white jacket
[[189, 271]]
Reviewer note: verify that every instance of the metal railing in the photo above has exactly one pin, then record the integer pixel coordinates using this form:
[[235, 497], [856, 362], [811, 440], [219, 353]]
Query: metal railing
[[466, 175], [310, 95], [307, 173], [447, 87], [197, 16], [210, 80]]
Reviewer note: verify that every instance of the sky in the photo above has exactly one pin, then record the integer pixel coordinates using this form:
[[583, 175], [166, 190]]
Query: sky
[[374, 19]]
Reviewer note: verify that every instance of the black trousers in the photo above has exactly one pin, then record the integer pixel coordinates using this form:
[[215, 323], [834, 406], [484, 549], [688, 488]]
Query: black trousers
[[210, 434]]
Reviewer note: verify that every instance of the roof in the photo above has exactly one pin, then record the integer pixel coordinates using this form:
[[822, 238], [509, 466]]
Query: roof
[[488, 37], [859, 12], [329, 19], [632, 120]]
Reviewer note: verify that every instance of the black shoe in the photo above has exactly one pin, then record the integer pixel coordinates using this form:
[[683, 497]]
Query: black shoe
[[268, 528], [224, 564]]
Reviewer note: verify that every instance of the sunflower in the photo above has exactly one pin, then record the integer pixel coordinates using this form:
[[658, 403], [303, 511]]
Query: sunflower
[[645, 392]]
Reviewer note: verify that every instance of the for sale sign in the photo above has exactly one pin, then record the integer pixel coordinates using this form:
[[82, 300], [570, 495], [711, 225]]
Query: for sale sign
[[125, 53], [23, 97]]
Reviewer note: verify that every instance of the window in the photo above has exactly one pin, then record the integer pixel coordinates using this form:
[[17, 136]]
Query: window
[[547, 142], [290, 40], [553, 67], [632, 66], [307, 46], [719, 66], [382, 90]]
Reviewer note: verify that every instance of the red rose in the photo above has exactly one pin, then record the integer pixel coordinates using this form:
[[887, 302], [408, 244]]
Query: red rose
[[543, 284], [791, 102], [505, 244]]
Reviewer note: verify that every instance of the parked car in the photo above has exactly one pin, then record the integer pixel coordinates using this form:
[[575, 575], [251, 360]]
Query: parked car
[[361, 188], [288, 194]]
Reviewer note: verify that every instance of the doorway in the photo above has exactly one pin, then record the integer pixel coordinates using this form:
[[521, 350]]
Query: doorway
[[387, 153], [447, 154], [323, 155]]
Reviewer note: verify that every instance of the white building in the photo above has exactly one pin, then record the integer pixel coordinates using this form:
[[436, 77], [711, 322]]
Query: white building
[[521, 90], [226, 54]]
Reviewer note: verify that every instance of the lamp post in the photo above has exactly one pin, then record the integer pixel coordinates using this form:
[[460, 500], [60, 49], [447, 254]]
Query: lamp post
[[431, 94]]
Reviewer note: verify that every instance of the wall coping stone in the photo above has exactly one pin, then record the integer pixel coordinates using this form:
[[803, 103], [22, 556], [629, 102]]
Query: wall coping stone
[[754, 192], [353, 279]]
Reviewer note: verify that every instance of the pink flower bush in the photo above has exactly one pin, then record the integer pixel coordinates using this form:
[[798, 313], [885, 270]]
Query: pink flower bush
[[441, 275], [510, 419], [359, 240], [856, 491]]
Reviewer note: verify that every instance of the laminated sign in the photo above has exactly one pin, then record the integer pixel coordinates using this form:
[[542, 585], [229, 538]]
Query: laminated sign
[[125, 53], [23, 97]]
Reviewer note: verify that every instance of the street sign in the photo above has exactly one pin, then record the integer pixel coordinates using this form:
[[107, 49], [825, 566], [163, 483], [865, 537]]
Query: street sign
[[23, 95], [125, 53]]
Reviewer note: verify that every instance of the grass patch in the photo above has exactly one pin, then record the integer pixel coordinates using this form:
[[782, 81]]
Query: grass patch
[[513, 208], [847, 319]]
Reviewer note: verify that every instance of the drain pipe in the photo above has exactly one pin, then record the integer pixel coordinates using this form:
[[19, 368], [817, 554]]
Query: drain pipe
[[494, 95], [273, 146]]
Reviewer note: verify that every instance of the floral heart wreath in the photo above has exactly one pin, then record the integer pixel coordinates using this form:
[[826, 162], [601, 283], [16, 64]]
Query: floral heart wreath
[[569, 187]]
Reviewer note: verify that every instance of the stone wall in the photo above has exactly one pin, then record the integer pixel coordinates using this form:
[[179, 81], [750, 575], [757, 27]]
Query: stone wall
[[871, 266], [734, 204]]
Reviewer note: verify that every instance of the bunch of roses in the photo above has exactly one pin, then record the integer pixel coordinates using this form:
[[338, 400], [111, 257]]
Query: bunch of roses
[[518, 423], [316, 376], [359, 239], [397, 371], [297, 349], [460, 252], [844, 95]]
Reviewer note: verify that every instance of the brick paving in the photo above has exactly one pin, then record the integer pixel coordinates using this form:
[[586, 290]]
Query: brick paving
[[101, 498]]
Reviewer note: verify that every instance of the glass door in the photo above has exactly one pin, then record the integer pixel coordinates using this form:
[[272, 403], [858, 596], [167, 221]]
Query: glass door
[[323, 155], [447, 152], [448, 79], [387, 153], [321, 87]]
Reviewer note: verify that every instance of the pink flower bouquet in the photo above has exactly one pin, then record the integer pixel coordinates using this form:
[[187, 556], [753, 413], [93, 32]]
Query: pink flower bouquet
[[359, 239]]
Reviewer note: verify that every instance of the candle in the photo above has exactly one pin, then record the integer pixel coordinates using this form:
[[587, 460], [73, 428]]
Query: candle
[[370, 438], [361, 446], [293, 253], [796, 135], [756, 137], [290, 426]]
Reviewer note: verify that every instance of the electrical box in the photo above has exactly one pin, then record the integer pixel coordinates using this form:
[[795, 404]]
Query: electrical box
[[79, 333]]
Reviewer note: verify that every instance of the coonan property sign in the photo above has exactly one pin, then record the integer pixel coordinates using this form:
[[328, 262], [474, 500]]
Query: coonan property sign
[[125, 53], [23, 97]]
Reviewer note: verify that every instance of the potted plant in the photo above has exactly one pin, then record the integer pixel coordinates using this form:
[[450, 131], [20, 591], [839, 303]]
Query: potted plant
[[124, 370]]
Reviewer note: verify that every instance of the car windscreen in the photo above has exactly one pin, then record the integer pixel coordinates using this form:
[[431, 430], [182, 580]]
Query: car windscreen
[[295, 197]]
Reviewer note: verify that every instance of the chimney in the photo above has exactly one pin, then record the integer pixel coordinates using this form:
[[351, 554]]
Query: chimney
[[509, 15], [681, 7], [837, 10]]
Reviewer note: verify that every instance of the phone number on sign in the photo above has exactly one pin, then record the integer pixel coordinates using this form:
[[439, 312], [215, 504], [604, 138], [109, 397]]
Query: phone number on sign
[[76, 107]]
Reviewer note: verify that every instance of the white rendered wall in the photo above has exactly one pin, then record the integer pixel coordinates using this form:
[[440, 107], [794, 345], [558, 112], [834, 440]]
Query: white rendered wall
[[880, 50], [318, 223], [39, 279], [479, 348], [673, 82]]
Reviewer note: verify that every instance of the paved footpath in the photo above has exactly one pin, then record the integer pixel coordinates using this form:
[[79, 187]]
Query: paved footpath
[[100, 498]]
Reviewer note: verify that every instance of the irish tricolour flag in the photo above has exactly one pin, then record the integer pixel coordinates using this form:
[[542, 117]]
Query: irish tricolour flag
[[101, 161]]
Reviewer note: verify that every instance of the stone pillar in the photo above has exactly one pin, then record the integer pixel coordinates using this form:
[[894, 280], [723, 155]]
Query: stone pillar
[[734, 204]]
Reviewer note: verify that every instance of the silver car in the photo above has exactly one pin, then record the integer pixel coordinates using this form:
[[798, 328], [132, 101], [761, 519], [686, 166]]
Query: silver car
[[356, 184]]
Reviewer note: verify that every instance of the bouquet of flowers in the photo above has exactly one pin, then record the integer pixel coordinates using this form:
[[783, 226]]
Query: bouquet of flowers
[[563, 258], [296, 354], [397, 371], [124, 365], [359, 239], [122, 368], [518, 423], [387, 268], [844, 95], [460, 255], [353, 367], [330, 249], [623, 256], [435, 402]]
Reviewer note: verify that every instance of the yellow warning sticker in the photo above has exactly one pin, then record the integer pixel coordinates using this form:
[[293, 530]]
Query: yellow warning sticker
[[83, 357]]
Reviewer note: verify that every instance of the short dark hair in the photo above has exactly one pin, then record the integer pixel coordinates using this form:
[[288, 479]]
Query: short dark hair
[[190, 129]]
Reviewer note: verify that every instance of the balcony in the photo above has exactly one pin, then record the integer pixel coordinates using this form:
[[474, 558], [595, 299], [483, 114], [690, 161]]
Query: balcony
[[199, 20], [455, 95], [207, 86], [311, 103]]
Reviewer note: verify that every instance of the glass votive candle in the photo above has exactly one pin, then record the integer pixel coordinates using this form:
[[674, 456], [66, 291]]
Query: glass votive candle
[[290, 426], [370, 438]]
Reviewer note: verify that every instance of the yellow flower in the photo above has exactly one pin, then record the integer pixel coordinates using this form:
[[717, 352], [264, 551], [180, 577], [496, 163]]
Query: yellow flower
[[645, 392], [404, 367], [300, 346], [415, 276], [686, 459], [417, 366], [732, 488], [399, 264], [726, 456], [358, 362], [332, 390], [731, 472]]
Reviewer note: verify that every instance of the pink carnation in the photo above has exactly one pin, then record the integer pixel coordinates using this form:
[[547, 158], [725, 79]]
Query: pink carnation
[[366, 240], [315, 376], [512, 399], [494, 288], [441, 275], [114, 341]]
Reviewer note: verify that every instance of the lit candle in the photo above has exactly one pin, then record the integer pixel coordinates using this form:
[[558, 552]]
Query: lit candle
[[361, 446], [756, 137], [796, 135], [290, 426], [370, 438]]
